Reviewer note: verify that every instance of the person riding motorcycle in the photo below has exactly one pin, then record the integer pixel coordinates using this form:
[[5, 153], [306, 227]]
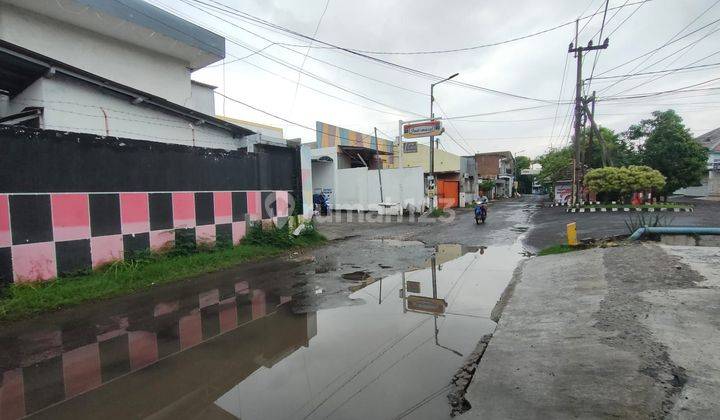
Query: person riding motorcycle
[[481, 209]]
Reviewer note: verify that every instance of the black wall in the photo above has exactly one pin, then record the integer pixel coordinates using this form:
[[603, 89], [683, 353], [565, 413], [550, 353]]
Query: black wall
[[54, 161]]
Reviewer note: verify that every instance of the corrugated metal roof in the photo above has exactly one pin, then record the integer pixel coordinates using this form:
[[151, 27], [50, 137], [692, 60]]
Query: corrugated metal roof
[[710, 140]]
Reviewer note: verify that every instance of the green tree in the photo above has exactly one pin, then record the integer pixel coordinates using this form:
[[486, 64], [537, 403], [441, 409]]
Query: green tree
[[521, 162], [555, 165], [668, 147], [486, 185], [618, 150]]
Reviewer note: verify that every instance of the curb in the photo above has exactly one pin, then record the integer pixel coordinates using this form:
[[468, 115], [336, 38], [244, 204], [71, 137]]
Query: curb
[[627, 209]]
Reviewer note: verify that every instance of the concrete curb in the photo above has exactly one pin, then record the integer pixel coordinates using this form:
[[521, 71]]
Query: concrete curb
[[626, 209]]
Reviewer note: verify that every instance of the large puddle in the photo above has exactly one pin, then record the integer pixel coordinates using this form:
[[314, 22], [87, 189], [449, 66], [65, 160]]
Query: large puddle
[[239, 351]]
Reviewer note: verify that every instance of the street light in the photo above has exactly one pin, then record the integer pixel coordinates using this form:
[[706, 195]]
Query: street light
[[432, 138]]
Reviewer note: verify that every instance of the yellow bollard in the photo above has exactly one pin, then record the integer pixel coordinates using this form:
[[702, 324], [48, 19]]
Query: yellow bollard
[[572, 234]]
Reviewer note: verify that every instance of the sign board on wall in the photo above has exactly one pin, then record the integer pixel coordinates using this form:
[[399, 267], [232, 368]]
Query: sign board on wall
[[423, 129], [410, 147], [563, 192]]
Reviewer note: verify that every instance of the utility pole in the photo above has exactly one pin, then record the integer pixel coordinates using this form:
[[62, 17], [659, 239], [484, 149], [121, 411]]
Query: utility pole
[[379, 163], [577, 164], [588, 153], [432, 138], [432, 152]]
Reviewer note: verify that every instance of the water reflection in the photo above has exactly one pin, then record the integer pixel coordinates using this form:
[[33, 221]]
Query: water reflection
[[237, 350], [391, 357], [133, 365]]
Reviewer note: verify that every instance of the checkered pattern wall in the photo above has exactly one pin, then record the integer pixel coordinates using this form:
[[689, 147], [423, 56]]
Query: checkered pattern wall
[[45, 367], [43, 236]]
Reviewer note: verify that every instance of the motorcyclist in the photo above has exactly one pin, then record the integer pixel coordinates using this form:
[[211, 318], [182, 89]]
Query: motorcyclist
[[481, 208]]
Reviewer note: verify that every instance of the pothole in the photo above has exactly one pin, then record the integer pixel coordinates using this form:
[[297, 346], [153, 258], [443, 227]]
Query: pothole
[[356, 276]]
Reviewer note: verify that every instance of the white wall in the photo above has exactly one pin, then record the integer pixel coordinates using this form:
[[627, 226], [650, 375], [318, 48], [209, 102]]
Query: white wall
[[202, 99], [71, 105], [121, 62], [359, 188]]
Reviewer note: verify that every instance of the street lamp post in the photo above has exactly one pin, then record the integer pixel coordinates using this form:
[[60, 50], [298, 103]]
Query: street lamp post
[[432, 138]]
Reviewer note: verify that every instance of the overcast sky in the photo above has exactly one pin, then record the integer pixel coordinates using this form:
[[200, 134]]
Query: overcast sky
[[531, 67]]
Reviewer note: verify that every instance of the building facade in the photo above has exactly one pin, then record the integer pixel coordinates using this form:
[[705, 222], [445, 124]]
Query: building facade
[[109, 148], [500, 167], [446, 169], [710, 184]]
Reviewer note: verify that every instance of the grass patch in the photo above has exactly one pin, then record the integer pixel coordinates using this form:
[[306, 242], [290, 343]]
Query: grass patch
[[437, 212], [558, 249], [146, 270]]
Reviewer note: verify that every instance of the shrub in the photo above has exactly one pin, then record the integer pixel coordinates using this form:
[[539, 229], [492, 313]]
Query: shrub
[[624, 180]]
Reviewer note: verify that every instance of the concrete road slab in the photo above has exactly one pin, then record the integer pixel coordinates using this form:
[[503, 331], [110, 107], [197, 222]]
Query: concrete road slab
[[618, 332]]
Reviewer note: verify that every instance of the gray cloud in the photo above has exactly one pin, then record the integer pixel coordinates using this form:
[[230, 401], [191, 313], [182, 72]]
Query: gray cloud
[[531, 67]]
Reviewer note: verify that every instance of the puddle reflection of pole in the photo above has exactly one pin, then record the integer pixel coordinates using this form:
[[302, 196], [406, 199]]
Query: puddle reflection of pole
[[434, 286], [380, 294], [404, 297]]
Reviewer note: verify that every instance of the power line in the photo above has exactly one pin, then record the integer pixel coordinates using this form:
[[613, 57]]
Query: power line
[[456, 130], [501, 112], [415, 72], [287, 120], [686, 47], [666, 74], [597, 53], [626, 19], [665, 92], [677, 69], [653, 51], [441, 51], [286, 47], [302, 65], [557, 108], [295, 68]]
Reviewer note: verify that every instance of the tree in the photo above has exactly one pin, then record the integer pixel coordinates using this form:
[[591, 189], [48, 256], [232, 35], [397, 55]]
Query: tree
[[619, 182], [645, 178], [618, 151], [555, 164], [486, 185], [521, 162], [669, 147]]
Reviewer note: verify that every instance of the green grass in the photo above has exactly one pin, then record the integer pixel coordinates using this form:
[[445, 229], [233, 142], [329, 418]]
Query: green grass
[[143, 271], [558, 249], [437, 212]]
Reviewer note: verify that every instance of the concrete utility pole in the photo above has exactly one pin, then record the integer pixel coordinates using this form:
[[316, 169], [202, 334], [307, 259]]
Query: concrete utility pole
[[432, 138], [588, 153], [577, 164], [379, 163]]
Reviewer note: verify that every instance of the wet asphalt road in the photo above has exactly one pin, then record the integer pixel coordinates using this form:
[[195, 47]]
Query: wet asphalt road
[[549, 223], [321, 333]]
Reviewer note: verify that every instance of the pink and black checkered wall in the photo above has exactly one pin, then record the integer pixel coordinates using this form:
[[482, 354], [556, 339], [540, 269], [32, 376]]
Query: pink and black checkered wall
[[71, 202]]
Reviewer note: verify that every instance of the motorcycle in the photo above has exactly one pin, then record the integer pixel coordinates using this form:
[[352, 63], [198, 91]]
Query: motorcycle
[[480, 213]]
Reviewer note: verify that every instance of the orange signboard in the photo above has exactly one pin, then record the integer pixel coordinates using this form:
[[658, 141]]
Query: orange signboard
[[423, 129]]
